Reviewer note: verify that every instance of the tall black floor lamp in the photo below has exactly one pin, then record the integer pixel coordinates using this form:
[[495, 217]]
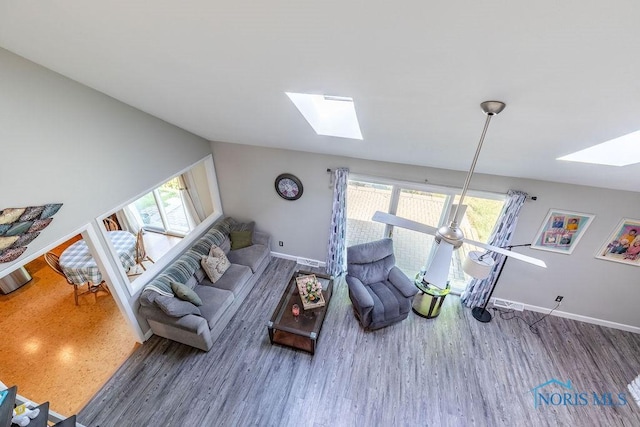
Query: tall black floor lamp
[[481, 313]]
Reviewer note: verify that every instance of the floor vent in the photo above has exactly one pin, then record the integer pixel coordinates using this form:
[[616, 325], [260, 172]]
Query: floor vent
[[309, 262], [508, 304]]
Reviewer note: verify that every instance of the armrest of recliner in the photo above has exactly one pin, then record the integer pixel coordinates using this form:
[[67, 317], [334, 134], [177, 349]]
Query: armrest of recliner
[[402, 283], [358, 292]]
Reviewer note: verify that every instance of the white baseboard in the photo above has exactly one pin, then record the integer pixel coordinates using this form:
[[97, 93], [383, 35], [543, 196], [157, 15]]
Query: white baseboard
[[509, 305], [300, 260], [581, 318]]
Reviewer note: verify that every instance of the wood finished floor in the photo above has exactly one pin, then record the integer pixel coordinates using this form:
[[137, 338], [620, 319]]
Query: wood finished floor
[[54, 350], [58, 352], [448, 371]]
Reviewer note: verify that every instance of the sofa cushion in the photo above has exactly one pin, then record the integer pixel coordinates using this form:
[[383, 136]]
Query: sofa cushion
[[233, 279], [226, 245], [215, 236], [214, 302], [193, 280], [215, 267], [240, 239], [217, 252], [185, 293], [235, 225], [250, 256], [181, 269], [175, 307]]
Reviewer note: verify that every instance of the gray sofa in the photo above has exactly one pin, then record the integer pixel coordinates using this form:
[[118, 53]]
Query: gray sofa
[[179, 320]]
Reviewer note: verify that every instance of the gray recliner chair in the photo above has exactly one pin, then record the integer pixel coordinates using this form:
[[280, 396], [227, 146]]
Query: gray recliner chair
[[380, 292]]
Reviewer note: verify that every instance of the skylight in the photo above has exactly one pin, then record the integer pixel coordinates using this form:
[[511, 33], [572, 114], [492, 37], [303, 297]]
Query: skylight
[[621, 151], [328, 115]]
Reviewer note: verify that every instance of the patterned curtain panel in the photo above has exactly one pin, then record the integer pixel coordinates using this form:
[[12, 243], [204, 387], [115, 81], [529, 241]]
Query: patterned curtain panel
[[478, 289], [337, 249]]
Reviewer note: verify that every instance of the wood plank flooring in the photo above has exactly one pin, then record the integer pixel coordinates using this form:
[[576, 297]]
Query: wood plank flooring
[[447, 371]]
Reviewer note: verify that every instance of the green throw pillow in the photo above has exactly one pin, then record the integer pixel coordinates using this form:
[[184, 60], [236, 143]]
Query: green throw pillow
[[185, 293], [240, 239]]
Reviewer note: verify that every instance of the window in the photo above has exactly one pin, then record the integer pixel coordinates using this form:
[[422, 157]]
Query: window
[[422, 203], [162, 210]]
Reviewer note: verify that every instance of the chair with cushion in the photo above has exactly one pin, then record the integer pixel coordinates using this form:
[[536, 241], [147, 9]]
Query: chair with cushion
[[380, 292]]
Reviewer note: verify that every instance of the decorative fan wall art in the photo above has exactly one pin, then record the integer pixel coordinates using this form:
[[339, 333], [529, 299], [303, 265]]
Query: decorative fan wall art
[[19, 226]]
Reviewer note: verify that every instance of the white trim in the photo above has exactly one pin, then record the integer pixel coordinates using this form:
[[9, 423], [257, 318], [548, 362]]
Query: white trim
[[578, 317], [296, 258], [213, 185], [113, 276], [422, 186], [509, 305]]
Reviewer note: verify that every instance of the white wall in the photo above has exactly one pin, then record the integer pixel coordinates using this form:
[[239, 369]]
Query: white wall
[[62, 142], [594, 288]]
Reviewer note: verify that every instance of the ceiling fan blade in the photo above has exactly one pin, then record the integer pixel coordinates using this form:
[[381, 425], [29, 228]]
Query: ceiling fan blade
[[390, 219], [516, 255], [438, 266]]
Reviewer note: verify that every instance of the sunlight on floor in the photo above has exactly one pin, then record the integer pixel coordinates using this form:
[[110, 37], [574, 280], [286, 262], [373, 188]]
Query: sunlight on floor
[[54, 350]]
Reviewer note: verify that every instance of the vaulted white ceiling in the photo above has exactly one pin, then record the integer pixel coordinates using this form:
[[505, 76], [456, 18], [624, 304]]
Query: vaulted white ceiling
[[568, 71]]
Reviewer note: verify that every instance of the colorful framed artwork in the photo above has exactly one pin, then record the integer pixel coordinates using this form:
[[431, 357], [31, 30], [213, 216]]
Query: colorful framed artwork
[[561, 231], [623, 245]]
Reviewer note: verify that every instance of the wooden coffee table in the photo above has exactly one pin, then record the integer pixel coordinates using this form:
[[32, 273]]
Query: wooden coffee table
[[300, 331]]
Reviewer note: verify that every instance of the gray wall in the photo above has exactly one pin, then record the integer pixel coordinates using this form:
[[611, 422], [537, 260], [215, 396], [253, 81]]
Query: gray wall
[[594, 288], [62, 142]]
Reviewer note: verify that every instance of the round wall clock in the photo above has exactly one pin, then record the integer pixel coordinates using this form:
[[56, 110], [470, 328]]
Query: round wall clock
[[288, 186]]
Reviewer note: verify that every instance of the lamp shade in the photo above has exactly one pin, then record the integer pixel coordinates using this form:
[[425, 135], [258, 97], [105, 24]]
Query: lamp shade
[[475, 265]]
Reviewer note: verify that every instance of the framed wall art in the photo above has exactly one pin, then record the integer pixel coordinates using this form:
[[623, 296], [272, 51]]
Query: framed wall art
[[561, 231], [19, 226], [623, 245]]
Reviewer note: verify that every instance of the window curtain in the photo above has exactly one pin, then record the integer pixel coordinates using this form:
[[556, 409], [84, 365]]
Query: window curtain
[[478, 289], [193, 218], [128, 220], [196, 210], [336, 249]]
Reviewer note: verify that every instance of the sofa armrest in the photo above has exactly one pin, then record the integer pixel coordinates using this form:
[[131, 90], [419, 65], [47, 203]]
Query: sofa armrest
[[359, 292], [190, 322], [261, 238], [402, 283]]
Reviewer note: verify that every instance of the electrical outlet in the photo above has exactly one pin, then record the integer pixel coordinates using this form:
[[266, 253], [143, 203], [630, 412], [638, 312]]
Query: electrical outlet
[[280, 243], [559, 298]]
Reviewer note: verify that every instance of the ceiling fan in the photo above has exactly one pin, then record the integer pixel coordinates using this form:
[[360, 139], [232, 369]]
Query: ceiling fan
[[450, 237]]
